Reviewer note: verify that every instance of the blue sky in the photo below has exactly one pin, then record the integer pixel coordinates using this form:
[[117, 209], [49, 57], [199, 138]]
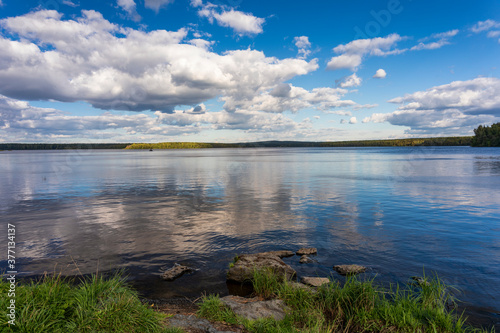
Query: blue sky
[[239, 70]]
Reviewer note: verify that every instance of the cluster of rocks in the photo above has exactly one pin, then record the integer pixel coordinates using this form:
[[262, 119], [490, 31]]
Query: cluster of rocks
[[242, 270], [244, 265]]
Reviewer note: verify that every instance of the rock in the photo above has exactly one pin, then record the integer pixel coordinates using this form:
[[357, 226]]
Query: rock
[[314, 281], [307, 251], [281, 254], [253, 308], [349, 269], [305, 260], [420, 281], [242, 270], [175, 272], [193, 323], [300, 286]]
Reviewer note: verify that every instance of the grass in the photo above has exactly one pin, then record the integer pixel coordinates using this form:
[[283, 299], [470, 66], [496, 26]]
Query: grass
[[96, 304], [357, 306]]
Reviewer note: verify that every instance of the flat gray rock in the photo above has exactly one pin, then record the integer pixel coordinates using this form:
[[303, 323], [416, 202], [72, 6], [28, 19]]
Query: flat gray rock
[[306, 251], [314, 281], [253, 308], [243, 268], [175, 272], [193, 323], [349, 269]]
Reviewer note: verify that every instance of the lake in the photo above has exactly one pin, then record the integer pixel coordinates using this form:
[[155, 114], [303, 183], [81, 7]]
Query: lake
[[400, 211]]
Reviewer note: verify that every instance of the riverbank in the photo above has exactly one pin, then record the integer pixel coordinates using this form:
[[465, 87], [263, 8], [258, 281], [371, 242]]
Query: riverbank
[[55, 304]]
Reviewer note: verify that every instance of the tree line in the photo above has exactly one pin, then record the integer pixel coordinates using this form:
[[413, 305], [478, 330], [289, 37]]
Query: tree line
[[487, 136]]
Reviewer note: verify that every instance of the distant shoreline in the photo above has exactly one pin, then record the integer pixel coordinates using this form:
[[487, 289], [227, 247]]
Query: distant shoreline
[[439, 141]]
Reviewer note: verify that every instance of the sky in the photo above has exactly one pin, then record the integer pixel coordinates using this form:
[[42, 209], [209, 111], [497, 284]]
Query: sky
[[238, 70]]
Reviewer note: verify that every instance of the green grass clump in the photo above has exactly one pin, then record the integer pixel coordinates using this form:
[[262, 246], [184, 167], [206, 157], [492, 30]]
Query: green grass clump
[[55, 304], [357, 306]]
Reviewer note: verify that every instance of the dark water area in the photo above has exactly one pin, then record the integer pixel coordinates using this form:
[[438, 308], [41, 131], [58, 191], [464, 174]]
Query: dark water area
[[400, 211]]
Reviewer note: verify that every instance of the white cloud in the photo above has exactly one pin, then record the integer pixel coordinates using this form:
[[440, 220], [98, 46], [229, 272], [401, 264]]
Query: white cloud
[[303, 44], [156, 4], [454, 108], [349, 81], [340, 113], [485, 26], [110, 67], [130, 7], [351, 54], [441, 39], [286, 97], [20, 121], [344, 61], [380, 74], [353, 120], [242, 23], [68, 3]]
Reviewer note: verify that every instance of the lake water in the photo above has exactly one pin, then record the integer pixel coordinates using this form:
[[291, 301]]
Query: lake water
[[399, 211]]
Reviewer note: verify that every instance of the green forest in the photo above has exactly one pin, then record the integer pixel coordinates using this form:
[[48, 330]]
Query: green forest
[[487, 136], [52, 146]]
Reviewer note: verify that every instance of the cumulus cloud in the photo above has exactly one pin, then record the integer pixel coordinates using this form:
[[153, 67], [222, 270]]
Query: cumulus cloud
[[351, 54], [156, 4], [349, 81], [130, 7], [19, 121], [353, 120], [242, 23], [110, 67], [454, 108], [380, 74], [286, 97], [303, 44]]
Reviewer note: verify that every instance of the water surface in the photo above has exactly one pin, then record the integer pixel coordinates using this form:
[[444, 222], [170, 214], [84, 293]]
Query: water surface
[[398, 210]]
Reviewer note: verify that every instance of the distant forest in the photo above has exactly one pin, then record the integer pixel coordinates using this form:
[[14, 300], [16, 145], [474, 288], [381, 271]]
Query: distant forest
[[52, 146], [445, 141], [485, 136]]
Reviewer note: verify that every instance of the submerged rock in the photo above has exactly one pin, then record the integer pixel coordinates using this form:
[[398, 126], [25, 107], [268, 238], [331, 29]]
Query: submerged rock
[[242, 270], [307, 251], [305, 260], [175, 272], [349, 269], [281, 254], [314, 281], [253, 308]]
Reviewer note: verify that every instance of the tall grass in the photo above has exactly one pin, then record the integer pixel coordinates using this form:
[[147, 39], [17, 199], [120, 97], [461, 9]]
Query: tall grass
[[96, 304], [357, 306]]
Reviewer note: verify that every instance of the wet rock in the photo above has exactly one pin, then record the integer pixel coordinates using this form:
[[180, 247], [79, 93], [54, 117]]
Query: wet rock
[[175, 272], [193, 323], [253, 308], [349, 269], [420, 281], [305, 260], [281, 254], [314, 281], [242, 270], [306, 251]]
